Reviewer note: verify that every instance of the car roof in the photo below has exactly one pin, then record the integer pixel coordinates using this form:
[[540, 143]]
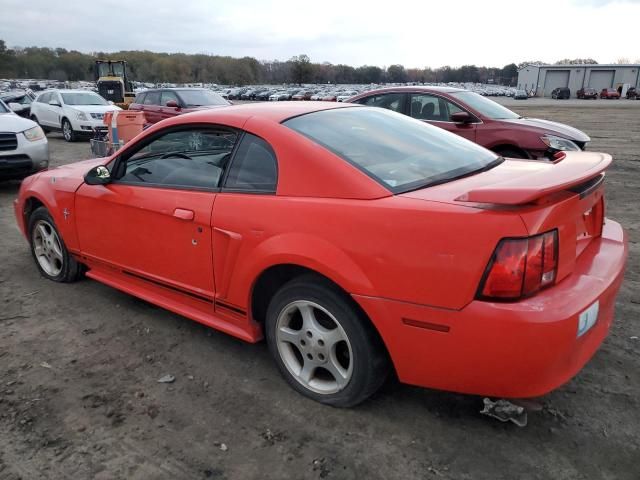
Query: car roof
[[417, 89], [276, 112], [64, 90]]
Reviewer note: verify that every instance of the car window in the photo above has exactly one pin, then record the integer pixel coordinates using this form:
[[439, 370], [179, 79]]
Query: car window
[[140, 98], [400, 153], [152, 98], [427, 107], [390, 101], [168, 95], [254, 166], [44, 98], [187, 158], [83, 98], [3, 107]]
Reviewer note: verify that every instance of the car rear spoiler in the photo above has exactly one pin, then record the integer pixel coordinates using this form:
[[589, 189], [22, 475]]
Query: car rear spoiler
[[570, 170]]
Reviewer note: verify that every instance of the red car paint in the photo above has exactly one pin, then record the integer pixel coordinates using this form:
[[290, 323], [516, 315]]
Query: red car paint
[[516, 136], [412, 261], [610, 93]]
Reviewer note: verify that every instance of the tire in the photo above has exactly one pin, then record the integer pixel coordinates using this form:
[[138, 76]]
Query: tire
[[49, 251], [342, 354], [67, 131], [35, 119], [511, 153]]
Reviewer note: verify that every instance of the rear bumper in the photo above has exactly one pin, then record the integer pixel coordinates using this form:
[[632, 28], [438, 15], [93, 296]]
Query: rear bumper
[[515, 350]]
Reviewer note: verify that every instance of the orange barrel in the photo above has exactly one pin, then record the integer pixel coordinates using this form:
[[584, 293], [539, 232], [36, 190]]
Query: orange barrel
[[124, 125]]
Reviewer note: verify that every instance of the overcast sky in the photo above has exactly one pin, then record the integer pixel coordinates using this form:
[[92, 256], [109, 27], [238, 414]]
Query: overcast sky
[[413, 33]]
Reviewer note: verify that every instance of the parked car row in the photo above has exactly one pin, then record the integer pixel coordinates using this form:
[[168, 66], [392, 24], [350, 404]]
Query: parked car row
[[586, 93]]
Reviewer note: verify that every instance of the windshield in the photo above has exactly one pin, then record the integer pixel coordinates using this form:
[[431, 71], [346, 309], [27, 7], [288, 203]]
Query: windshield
[[484, 106], [3, 107], [83, 98], [110, 70], [201, 98], [399, 152]]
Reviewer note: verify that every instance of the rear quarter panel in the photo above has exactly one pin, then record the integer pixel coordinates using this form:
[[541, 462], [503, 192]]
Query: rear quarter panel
[[404, 249]]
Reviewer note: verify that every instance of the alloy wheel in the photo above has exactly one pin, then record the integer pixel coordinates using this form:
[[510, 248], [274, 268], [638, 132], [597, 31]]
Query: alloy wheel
[[47, 248], [314, 347]]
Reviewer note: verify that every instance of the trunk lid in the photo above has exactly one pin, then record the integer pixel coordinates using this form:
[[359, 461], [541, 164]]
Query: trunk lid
[[567, 195]]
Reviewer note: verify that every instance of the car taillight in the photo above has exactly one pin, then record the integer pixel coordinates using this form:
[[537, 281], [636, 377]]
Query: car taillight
[[520, 267]]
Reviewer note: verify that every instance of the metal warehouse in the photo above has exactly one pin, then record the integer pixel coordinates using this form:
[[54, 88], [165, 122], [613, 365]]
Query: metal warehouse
[[543, 79]]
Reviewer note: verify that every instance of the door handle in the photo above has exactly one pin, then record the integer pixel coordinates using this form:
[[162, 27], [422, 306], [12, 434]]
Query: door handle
[[183, 214]]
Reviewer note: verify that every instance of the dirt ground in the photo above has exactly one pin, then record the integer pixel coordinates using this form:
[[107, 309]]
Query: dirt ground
[[79, 365]]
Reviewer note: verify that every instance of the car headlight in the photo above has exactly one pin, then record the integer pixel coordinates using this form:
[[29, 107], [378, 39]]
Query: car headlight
[[34, 134], [559, 143], [82, 116]]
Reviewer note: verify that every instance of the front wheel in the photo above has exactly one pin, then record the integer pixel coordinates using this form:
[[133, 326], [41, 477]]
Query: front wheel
[[322, 345], [67, 131], [49, 251]]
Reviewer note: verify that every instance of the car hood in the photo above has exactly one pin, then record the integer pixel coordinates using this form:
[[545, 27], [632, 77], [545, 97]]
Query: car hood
[[94, 108], [68, 178], [553, 128], [10, 122]]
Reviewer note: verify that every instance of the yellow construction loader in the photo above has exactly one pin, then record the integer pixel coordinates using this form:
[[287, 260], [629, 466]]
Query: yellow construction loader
[[113, 82]]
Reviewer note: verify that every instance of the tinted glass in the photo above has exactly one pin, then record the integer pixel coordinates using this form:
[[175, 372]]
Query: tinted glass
[[254, 167], [484, 106], [199, 98], [168, 95], [399, 152], [427, 107], [44, 98], [140, 98], [83, 98], [152, 98], [390, 101], [185, 158]]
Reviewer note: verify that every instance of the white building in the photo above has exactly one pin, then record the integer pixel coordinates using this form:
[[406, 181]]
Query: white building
[[542, 79]]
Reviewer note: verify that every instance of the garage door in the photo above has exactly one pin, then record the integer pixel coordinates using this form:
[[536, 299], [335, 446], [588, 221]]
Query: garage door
[[555, 79], [600, 79]]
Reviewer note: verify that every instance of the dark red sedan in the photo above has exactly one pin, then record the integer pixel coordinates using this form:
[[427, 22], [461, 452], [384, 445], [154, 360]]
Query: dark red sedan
[[159, 104], [479, 119], [610, 93]]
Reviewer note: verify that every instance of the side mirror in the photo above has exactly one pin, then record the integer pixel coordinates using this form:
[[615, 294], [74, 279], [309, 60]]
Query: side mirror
[[98, 176], [15, 107], [461, 117], [172, 104], [54, 103]]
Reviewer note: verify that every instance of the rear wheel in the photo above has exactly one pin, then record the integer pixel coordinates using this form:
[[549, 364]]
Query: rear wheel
[[49, 251], [323, 347], [67, 131]]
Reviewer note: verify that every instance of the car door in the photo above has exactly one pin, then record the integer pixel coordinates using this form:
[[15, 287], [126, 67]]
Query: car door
[[165, 111], [154, 219], [152, 106], [240, 217], [45, 112], [437, 111]]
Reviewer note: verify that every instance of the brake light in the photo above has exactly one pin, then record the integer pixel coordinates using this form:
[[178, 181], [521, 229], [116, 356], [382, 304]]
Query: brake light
[[521, 267]]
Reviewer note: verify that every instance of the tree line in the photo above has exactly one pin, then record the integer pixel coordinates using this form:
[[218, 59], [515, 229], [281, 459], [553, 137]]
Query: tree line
[[145, 66]]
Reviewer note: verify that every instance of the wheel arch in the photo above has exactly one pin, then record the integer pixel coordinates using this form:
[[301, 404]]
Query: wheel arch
[[274, 277]]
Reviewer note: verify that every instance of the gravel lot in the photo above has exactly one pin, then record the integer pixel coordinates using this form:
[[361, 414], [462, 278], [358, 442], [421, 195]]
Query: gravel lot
[[79, 365]]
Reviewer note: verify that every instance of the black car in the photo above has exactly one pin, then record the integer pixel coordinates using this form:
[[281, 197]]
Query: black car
[[561, 93], [633, 93]]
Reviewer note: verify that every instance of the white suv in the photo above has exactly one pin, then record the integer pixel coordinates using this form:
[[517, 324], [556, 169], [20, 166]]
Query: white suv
[[75, 112], [23, 146]]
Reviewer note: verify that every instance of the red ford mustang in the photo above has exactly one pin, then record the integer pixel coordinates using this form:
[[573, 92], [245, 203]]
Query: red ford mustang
[[356, 240]]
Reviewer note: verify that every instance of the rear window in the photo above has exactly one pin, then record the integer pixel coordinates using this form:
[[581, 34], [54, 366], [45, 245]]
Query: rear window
[[140, 98], [401, 153]]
